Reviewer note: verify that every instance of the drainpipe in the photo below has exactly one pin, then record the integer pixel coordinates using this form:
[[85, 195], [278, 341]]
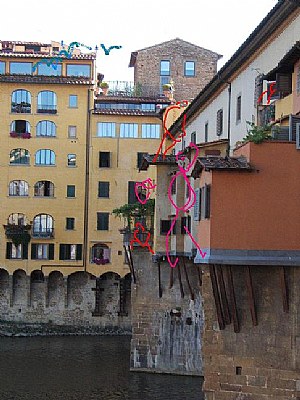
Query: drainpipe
[[228, 125], [87, 183]]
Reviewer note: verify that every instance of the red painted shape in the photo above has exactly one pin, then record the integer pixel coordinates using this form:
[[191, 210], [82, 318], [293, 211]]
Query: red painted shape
[[138, 225]]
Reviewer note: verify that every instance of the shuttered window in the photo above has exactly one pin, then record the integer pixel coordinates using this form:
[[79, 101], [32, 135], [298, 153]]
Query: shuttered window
[[219, 122], [103, 189], [104, 159], [70, 251], [284, 83], [42, 251], [197, 206], [207, 201], [102, 221], [16, 252]]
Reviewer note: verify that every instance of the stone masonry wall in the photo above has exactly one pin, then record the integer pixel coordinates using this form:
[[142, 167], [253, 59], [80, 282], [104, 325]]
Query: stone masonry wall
[[260, 362], [147, 67], [166, 330]]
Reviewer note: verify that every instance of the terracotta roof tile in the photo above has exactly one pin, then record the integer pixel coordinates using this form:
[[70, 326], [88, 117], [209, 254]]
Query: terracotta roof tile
[[220, 163], [73, 80], [82, 56], [148, 160], [106, 111]]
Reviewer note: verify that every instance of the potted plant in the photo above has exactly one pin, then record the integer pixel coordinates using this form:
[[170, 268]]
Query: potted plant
[[14, 134], [104, 86], [26, 135]]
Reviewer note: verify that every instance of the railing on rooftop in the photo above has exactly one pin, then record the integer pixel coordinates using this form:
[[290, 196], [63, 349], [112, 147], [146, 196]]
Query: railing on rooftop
[[129, 89]]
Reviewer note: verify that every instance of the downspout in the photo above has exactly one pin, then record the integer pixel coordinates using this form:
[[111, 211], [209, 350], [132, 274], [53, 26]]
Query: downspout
[[228, 125], [87, 184]]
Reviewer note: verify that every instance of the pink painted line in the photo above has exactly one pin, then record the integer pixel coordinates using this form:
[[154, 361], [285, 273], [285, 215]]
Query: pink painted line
[[194, 241]]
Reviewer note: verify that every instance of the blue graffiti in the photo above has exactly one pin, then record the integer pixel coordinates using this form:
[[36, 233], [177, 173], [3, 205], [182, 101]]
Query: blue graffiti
[[68, 54]]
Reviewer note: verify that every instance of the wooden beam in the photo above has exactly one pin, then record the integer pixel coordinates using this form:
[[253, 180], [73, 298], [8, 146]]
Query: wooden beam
[[223, 295], [159, 280], [179, 279], [187, 279], [234, 314], [284, 289], [216, 296], [251, 299]]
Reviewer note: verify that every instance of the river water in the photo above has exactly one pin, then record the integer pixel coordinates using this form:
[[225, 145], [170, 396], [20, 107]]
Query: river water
[[83, 368]]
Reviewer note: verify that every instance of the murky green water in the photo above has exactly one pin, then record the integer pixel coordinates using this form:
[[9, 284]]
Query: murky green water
[[83, 368]]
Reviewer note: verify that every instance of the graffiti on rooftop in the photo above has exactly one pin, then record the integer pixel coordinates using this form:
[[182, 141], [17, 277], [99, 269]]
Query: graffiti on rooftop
[[53, 62]]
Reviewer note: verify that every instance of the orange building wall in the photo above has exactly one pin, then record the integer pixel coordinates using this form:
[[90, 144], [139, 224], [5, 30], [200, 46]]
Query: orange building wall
[[258, 210]]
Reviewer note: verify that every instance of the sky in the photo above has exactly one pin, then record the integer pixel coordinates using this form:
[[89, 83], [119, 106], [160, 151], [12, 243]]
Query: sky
[[219, 25]]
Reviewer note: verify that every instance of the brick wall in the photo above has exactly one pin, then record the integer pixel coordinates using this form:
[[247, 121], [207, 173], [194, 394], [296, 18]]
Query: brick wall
[[147, 67], [260, 362]]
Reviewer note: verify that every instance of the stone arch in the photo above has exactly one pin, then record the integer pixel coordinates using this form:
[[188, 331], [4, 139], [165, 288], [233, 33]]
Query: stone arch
[[79, 292], [56, 290], [107, 297], [37, 289], [125, 296], [4, 289], [20, 288]]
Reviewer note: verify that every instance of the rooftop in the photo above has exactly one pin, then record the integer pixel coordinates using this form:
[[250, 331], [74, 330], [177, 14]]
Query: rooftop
[[220, 163]]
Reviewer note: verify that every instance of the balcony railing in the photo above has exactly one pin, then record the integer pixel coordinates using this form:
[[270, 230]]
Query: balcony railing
[[43, 234], [47, 109], [129, 89], [21, 108], [23, 135]]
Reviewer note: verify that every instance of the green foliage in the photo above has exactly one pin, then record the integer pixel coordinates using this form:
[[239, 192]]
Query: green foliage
[[137, 210], [257, 134]]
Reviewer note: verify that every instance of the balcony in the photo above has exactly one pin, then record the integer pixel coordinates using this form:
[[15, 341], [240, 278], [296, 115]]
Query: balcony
[[21, 108], [129, 89], [47, 109], [47, 233], [18, 233], [24, 135]]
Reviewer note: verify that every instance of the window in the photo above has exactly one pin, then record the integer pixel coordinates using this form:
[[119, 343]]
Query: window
[[140, 157], [106, 129], [46, 128], [206, 132], [21, 101], [102, 221], [45, 157], [193, 137], [104, 159], [23, 68], [185, 222], [70, 223], [44, 189], [165, 226], [18, 188], [100, 254], [165, 68], [148, 107], [173, 187], [70, 190], [238, 109], [72, 132], [128, 130], [71, 160], [103, 189], [44, 69], [151, 131], [73, 101], [19, 156], [219, 122], [47, 102], [43, 251], [206, 202], [2, 67], [42, 226], [79, 70], [70, 251], [189, 68], [19, 127], [197, 205], [16, 252], [17, 219]]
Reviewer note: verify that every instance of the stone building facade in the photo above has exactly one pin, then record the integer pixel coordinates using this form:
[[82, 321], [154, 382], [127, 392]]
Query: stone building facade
[[189, 66]]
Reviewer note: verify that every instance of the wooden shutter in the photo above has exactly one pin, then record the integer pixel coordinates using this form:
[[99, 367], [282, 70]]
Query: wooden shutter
[[51, 251], [8, 250], [62, 252], [294, 120], [258, 88], [284, 83], [131, 194], [197, 205], [24, 251], [78, 251], [207, 201], [33, 251]]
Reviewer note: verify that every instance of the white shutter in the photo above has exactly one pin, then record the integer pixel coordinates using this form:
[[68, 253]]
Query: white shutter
[[298, 136], [197, 205]]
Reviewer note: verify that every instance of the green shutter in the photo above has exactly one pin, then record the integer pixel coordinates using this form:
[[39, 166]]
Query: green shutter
[[25, 251], [33, 251], [51, 251], [79, 252], [8, 250]]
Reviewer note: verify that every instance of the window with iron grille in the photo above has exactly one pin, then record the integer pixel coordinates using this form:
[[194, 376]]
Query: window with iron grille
[[102, 221], [103, 189], [220, 122], [104, 159]]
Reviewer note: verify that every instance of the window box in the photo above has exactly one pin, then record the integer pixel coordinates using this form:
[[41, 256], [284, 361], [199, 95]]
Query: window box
[[46, 111], [25, 135], [101, 261], [14, 134]]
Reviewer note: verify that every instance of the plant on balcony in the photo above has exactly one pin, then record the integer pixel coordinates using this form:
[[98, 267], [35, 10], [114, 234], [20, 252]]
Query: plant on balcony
[[25, 135], [18, 233], [167, 87], [257, 134], [101, 261], [14, 134], [130, 212], [104, 85]]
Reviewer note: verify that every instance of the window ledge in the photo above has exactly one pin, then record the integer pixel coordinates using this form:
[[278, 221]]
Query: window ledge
[[43, 165], [18, 196], [19, 165], [45, 197], [70, 197]]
